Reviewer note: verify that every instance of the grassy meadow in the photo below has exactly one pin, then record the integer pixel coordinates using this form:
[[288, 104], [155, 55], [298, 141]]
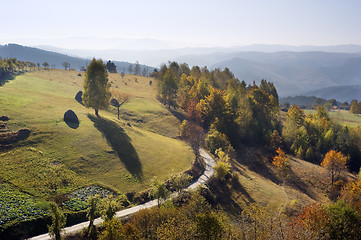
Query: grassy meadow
[[343, 117], [57, 158]]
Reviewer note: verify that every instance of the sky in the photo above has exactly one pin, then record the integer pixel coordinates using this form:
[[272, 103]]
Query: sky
[[183, 23]]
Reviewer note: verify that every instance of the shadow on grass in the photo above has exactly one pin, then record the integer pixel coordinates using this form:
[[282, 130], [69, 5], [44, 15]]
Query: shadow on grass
[[73, 125], [120, 143], [259, 166], [178, 115], [296, 182], [6, 78]]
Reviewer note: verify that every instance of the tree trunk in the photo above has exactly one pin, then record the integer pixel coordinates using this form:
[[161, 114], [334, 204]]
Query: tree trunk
[[118, 112], [96, 112]]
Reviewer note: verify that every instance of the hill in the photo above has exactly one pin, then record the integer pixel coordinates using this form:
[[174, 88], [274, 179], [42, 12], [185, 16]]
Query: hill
[[125, 162], [37, 55], [340, 93], [294, 73]]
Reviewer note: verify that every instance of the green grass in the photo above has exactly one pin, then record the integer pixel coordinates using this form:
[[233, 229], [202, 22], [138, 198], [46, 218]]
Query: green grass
[[343, 117], [59, 159]]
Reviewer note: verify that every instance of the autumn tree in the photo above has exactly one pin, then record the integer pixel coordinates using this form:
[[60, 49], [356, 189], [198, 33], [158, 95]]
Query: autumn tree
[[193, 134], [334, 162], [355, 107], [280, 160], [222, 167], [96, 87]]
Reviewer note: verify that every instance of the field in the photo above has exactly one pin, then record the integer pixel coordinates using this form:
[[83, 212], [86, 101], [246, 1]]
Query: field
[[343, 117], [58, 158]]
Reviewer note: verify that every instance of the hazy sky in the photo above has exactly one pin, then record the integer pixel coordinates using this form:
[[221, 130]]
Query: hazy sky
[[78, 23]]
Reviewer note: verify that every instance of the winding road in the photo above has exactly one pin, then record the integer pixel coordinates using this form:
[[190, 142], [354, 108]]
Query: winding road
[[209, 162]]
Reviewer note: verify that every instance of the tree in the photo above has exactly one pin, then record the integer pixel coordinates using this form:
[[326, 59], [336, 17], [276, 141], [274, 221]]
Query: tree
[[145, 71], [159, 190], [210, 225], [58, 221], [92, 212], [109, 208], [344, 223], [137, 68], [66, 65], [355, 107], [118, 99], [281, 160], [334, 162], [180, 181], [130, 68], [193, 134], [222, 167], [168, 88], [111, 67], [45, 64], [96, 87]]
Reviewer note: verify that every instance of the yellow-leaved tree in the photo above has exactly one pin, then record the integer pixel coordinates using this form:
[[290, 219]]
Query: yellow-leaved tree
[[281, 160], [334, 162]]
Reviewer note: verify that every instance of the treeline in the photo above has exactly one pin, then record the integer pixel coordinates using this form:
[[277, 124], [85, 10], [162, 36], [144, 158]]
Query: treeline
[[233, 113], [310, 137], [230, 111], [307, 102], [11, 65]]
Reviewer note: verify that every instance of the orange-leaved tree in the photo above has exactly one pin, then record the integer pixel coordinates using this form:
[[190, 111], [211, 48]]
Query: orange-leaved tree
[[334, 162], [281, 160]]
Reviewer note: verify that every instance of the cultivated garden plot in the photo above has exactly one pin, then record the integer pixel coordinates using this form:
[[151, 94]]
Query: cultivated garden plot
[[16, 206]]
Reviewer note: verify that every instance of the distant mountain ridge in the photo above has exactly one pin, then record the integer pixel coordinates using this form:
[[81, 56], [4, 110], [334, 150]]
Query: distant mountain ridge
[[37, 55], [294, 72], [340, 93]]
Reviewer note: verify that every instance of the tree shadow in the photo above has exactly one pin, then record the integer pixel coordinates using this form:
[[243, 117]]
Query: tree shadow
[[178, 115], [5, 78], [259, 166], [296, 182], [120, 143]]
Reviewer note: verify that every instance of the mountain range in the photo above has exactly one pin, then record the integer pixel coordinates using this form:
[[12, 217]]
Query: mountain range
[[36, 55], [326, 72]]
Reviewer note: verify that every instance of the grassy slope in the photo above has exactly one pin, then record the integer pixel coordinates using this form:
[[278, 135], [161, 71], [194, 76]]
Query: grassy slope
[[262, 183], [91, 153]]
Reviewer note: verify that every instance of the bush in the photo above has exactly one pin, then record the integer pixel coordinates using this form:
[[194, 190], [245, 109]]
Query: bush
[[215, 140]]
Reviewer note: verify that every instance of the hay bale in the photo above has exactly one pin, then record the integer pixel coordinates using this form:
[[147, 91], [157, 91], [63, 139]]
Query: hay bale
[[4, 118], [79, 97], [70, 117], [23, 133]]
